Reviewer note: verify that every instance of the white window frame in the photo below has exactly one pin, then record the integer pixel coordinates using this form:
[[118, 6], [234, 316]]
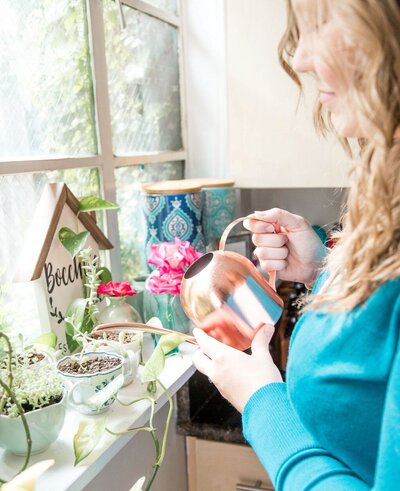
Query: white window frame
[[105, 160]]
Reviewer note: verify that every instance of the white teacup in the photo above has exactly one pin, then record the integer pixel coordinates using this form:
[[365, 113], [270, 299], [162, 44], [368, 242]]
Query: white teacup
[[81, 387], [128, 351]]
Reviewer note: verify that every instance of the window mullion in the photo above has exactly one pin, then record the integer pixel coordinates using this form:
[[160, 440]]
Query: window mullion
[[104, 129], [149, 9], [23, 166], [182, 86]]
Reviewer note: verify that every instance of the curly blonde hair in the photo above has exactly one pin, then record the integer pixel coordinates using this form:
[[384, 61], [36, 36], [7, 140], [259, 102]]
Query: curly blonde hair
[[367, 252]]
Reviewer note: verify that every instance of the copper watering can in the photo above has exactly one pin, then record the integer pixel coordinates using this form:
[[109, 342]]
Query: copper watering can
[[224, 294]]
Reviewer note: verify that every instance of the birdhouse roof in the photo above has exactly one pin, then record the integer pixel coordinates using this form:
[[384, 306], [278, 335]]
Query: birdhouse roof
[[44, 225]]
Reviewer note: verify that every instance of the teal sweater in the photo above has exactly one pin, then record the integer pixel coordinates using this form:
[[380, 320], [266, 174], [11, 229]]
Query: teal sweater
[[335, 424]]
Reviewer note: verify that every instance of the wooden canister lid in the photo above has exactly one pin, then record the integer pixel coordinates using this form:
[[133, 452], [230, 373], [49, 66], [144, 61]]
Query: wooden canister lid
[[171, 187], [211, 182]]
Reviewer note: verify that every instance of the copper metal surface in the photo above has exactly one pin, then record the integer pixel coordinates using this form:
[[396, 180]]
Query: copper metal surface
[[139, 327], [224, 294]]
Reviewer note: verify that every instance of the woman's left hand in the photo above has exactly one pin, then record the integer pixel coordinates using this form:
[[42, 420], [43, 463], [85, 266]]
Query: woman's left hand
[[236, 375]]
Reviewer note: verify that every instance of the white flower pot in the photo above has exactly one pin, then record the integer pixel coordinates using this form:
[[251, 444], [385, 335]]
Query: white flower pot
[[44, 424]]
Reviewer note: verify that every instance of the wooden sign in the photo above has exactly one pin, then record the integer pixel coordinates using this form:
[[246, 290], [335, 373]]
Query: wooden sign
[[55, 277]]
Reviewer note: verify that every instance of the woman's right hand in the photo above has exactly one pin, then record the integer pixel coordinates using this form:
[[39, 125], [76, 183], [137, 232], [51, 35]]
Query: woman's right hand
[[296, 253]]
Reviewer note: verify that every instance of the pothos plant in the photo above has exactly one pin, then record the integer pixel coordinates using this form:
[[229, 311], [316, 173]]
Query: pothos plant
[[90, 431], [82, 311], [79, 322]]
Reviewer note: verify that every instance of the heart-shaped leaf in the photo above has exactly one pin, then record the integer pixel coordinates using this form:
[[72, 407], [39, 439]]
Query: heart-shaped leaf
[[155, 365], [47, 339], [71, 241], [138, 486], [25, 481], [93, 203], [87, 437], [104, 275]]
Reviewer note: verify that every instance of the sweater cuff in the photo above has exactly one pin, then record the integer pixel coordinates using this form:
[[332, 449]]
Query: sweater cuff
[[273, 429]]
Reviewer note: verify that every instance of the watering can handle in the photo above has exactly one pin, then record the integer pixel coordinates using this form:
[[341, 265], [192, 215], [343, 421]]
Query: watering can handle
[[226, 232]]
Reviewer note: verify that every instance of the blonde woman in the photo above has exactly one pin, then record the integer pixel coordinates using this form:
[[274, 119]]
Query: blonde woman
[[335, 424]]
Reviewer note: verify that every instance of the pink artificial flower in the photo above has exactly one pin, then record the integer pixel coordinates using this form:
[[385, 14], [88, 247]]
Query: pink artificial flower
[[163, 282], [172, 256], [116, 289]]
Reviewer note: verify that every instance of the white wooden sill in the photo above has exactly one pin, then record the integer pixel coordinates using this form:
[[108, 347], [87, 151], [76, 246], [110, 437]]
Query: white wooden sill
[[63, 475]]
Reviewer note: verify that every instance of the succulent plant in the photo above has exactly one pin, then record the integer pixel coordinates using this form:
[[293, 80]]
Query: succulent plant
[[35, 384]]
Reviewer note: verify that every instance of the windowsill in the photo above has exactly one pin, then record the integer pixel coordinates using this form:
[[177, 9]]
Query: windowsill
[[63, 475]]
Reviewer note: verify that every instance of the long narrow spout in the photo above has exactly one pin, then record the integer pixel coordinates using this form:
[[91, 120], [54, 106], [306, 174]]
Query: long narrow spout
[[139, 327]]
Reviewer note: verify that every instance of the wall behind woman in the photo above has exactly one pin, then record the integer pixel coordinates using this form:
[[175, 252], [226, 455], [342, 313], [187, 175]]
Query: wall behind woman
[[242, 118]]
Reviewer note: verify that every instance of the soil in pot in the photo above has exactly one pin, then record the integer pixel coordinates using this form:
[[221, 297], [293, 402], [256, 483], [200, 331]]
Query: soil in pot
[[29, 407], [31, 358], [129, 337], [88, 366]]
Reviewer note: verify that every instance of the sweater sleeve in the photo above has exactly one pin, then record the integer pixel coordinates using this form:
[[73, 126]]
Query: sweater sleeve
[[293, 458]]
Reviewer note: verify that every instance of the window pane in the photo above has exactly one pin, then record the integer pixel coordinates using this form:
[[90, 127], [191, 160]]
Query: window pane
[[131, 222], [46, 95], [143, 79], [19, 195], [164, 4]]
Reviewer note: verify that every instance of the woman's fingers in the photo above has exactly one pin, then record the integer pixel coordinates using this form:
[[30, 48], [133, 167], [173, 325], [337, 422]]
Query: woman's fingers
[[269, 240], [273, 264], [269, 253], [202, 363], [287, 220], [258, 226], [208, 345]]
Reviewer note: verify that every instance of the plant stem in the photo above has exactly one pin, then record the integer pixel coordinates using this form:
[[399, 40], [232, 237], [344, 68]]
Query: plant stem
[[24, 422], [9, 370], [153, 476], [167, 424]]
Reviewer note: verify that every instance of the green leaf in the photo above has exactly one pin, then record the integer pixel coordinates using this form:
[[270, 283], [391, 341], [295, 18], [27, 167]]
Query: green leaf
[[93, 203], [71, 241], [155, 365], [104, 275], [48, 339], [109, 391], [25, 481], [74, 318], [138, 486], [87, 437]]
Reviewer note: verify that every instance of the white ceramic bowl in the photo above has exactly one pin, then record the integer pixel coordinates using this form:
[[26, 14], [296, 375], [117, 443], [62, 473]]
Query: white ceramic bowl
[[44, 424]]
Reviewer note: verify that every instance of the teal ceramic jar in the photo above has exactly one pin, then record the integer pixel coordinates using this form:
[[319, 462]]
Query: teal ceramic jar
[[173, 209], [219, 199]]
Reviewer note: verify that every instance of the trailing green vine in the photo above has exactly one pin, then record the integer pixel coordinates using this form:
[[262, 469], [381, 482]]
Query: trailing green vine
[[89, 433], [7, 392]]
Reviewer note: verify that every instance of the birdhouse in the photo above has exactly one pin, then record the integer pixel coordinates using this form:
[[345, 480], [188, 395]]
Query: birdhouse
[[55, 278]]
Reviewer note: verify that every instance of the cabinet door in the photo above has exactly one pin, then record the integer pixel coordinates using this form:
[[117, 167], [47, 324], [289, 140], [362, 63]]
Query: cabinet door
[[216, 466]]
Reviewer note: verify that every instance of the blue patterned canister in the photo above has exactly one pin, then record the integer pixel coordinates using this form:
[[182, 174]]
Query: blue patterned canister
[[218, 210], [171, 210]]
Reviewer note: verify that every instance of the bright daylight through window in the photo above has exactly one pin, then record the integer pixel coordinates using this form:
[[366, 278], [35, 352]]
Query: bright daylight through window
[[90, 96]]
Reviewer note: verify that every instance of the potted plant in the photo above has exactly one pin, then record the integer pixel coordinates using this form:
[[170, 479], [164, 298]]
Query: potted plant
[[86, 375], [123, 343], [31, 401]]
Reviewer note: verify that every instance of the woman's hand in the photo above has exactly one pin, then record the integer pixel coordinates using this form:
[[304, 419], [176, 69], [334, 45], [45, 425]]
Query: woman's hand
[[296, 253], [235, 374]]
